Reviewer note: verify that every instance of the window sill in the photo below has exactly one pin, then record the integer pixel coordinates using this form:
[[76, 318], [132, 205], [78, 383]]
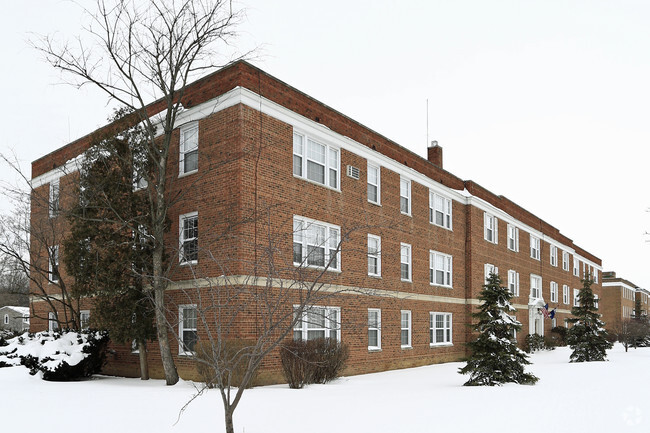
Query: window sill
[[432, 345], [180, 175], [187, 354], [374, 349], [313, 182], [375, 276], [406, 347], [406, 281], [407, 214], [330, 269], [190, 263], [374, 203], [441, 285]]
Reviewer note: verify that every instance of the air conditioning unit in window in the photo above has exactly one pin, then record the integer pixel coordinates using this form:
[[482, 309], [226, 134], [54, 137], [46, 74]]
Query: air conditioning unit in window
[[353, 172]]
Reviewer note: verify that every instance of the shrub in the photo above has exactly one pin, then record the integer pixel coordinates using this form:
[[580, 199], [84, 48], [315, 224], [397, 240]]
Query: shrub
[[313, 361], [535, 342], [559, 332], [233, 358]]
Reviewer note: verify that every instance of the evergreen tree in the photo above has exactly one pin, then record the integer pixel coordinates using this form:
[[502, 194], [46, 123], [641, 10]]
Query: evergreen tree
[[495, 358], [587, 337]]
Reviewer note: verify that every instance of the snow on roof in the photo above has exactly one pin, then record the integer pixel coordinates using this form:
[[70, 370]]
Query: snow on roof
[[23, 311]]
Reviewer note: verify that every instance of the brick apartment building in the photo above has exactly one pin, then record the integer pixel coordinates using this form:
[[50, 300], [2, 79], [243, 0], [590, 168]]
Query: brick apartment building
[[619, 297], [416, 241]]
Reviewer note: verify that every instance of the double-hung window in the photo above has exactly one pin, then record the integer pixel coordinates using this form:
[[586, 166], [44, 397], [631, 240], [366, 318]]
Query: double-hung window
[[595, 275], [374, 329], [6, 319], [565, 294], [576, 292], [405, 196], [535, 286], [535, 249], [316, 243], [553, 255], [440, 269], [405, 262], [513, 282], [189, 238], [513, 238], [52, 321], [53, 203], [315, 161], [189, 149], [187, 329], [491, 228], [490, 269], [554, 290], [53, 265], [374, 255], [439, 328], [439, 210], [565, 260], [374, 184], [84, 319], [576, 266], [318, 322], [405, 335], [596, 300]]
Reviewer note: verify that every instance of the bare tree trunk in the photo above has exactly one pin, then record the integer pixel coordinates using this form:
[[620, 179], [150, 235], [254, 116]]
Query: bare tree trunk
[[171, 375], [229, 425], [144, 365]]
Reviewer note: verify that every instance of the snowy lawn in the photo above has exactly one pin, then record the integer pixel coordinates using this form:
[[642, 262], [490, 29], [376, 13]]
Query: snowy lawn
[[609, 396]]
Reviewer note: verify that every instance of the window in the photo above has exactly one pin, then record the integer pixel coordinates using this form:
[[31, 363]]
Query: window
[[189, 238], [439, 328], [318, 322], [187, 329], [554, 290], [534, 247], [576, 266], [565, 260], [576, 303], [535, 286], [513, 238], [553, 255], [405, 196], [53, 266], [439, 210], [374, 255], [565, 294], [440, 269], [595, 275], [6, 319], [490, 269], [189, 149], [513, 282], [314, 161], [405, 262], [514, 330], [52, 321], [491, 229], [84, 319], [374, 329], [406, 328], [596, 299], [554, 322], [316, 243], [53, 203], [374, 184]]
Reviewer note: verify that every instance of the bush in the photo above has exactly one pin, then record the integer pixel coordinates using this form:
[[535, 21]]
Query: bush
[[312, 361], [535, 342], [559, 335], [234, 358]]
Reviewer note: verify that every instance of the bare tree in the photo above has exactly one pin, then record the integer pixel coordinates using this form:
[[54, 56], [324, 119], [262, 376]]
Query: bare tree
[[136, 52]]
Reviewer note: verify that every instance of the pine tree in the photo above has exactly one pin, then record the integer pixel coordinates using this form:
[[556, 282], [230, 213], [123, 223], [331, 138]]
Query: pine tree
[[587, 337], [495, 358]]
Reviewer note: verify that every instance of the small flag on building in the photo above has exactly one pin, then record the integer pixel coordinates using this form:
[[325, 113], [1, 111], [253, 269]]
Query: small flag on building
[[552, 313], [545, 311]]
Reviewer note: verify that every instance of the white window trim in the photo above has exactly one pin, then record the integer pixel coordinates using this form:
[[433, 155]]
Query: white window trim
[[376, 255], [565, 260], [514, 231], [181, 147], [181, 239], [553, 253], [489, 268], [378, 185], [53, 324], [448, 274], [535, 247], [513, 280], [410, 262], [575, 297], [491, 220], [565, 294], [576, 267], [408, 197], [181, 348], [596, 301], [378, 329], [408, 328], [302, 327], [54, 198], [538, 279], [53, 259], [83, 313], [447, 210], [308, 222], [432, 329], [554, 291], [305, 140]]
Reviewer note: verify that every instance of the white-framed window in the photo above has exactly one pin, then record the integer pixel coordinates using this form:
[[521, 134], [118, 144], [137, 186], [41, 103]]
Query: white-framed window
[[535, 286], [595, 271], [513, 238], [554, 322], [374, 184], [374, 255], [318, 322], [405, 335], [576, 266], [535, 248], [52, 321], [513, 282], [6, 319], [576, 303], [565, 294], [440, 329], [54, 200], [187, 329], [489, 269], [440, 269], [440, 210], [316, 243], [584, 269], [553, 255], [514, 330], [490, 228], [405, 196], [565, 260], [315, 161], [188, 160], [188, 237], [84, 319], [26, 320], [53, 265], [554, 290], [596, 300], [405, 262], [374, 329]]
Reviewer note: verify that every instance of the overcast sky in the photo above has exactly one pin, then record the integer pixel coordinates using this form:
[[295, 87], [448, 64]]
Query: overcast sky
[[545, 102]]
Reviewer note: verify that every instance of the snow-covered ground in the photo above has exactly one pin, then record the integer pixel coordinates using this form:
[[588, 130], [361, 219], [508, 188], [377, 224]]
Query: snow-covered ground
[[594, 397]]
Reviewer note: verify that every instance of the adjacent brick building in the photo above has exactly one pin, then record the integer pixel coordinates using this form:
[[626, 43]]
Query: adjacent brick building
[[619, 298], [416, 241]]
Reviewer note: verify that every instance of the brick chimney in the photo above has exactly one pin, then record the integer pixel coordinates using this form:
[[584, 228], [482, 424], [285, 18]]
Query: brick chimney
[[434, 154]]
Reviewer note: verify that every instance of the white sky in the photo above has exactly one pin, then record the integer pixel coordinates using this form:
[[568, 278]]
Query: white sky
[[544, 102]]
